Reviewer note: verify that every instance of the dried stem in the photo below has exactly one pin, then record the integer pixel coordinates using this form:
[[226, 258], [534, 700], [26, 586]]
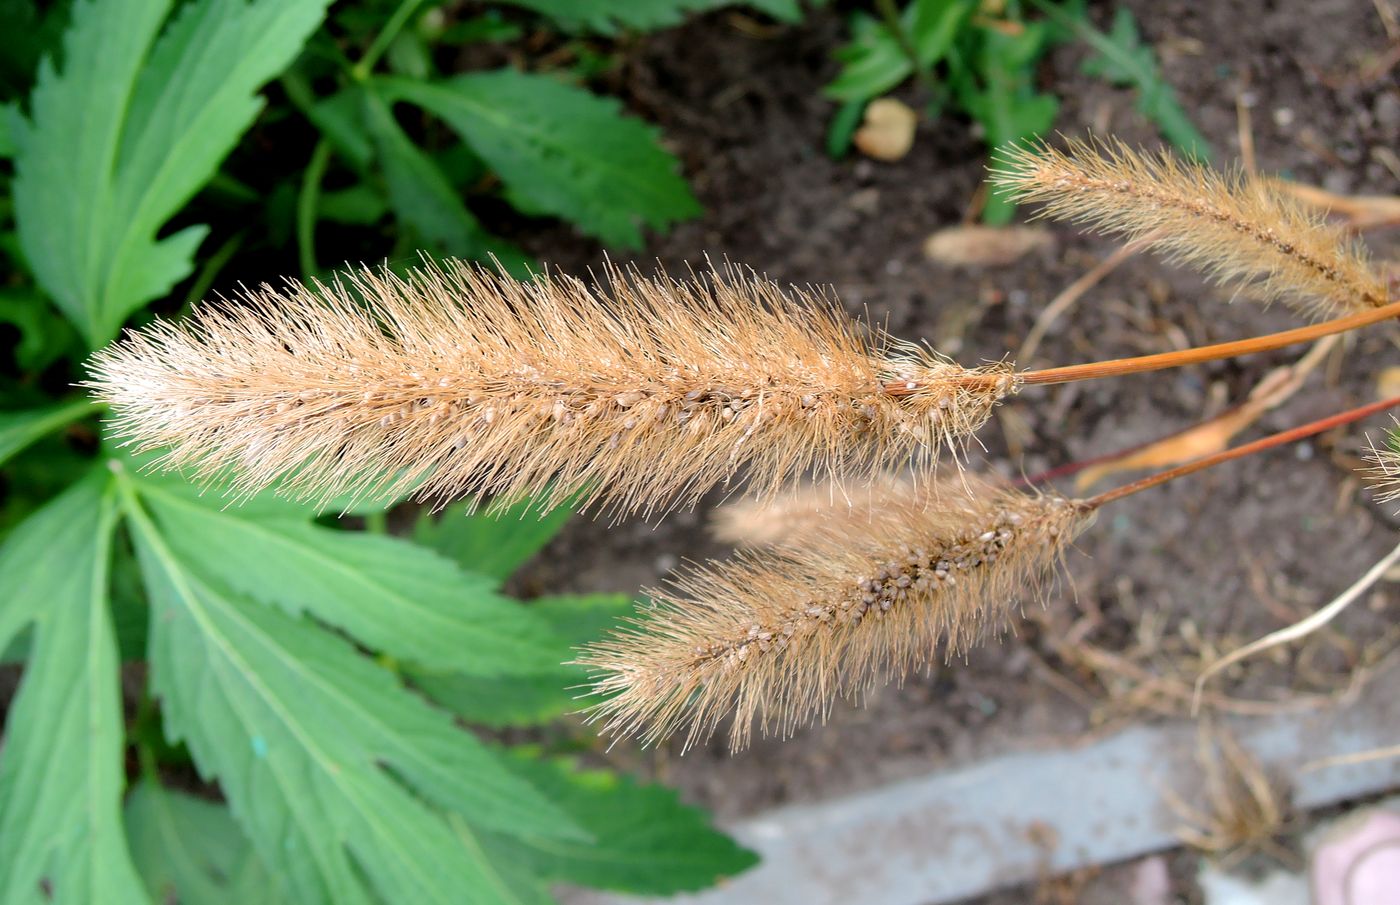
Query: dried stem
[[842, 604], [1141, 364], [1279, 439], [1267, 343]]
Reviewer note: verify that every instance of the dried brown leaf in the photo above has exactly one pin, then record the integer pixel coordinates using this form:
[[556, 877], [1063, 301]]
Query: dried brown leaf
[[1357, 212], [1214, 434], [985, 246]]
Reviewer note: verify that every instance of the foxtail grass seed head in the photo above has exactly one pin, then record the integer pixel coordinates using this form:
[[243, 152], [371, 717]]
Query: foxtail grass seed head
[[452, 380], [1238, 229], [774, 637]]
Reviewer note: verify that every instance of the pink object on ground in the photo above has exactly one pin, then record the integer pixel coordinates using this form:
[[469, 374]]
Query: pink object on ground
[[1359, 862]]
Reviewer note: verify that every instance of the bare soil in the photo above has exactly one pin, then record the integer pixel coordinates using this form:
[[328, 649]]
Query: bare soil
[[1164, 579]]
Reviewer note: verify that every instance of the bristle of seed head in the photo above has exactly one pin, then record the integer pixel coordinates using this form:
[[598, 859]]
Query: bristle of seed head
[[774, 637], [813, 506], [1239, 229], [641, 392], [1382, 474]]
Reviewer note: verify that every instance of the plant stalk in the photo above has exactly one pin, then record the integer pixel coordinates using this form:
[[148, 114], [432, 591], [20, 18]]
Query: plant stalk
[[1145, 363], [1142, 364], [1279, 439], [362, 69]]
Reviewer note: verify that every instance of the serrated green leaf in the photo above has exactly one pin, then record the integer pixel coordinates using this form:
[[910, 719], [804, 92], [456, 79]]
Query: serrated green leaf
[[874, 61], [1122, 59], [1006, 102], [871, 63], [561, 149], [129, 131], [61, 768], [536, 698], [388, 593], [647, 841], [514, 881], [607, 16], [19, 429], [332, 767], [1003, 97], [422, 197], [190, 851], [492, 542]]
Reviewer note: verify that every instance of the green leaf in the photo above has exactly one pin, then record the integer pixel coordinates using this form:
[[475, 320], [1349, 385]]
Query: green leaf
[[647, 841], [19, 429], [1122, 59], [1004, 99], [422, 197], [875, 61], [61, 769], [842, 127], [491, 542], [358, 205], [333, 769], [607, 16], [190, 851], [536, 698], [388, 593], [128, 132], [871, 63], [44, 335], [27, 32], [8, 114], [561, 149], [340, 118], [1006, 102]]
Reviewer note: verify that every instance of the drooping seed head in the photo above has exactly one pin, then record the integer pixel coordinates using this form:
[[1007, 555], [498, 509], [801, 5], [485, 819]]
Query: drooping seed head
[[1236, 228], [774, 637], [455, 381]]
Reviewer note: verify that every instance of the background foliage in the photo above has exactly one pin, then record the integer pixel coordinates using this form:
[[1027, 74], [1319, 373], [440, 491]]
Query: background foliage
[[323, 677], [980, 58], [254, 703]]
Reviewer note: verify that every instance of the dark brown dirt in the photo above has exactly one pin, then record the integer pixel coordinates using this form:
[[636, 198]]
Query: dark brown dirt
[[1199, 565]]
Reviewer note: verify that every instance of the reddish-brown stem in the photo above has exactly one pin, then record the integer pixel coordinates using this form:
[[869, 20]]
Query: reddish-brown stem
[[1282, 437], [1268, 343], [1143, 363]]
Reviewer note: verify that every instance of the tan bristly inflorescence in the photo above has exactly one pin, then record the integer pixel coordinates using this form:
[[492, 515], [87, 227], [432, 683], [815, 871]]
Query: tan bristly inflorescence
[[1239, 229], [640, 392], [1382, 474], [775, 637]]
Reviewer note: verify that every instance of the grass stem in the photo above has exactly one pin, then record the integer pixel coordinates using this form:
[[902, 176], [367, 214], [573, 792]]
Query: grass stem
[[1281, 438]]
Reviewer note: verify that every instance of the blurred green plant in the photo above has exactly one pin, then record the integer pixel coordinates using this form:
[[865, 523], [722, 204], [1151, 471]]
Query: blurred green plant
[[325, 677], [979, 57]]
